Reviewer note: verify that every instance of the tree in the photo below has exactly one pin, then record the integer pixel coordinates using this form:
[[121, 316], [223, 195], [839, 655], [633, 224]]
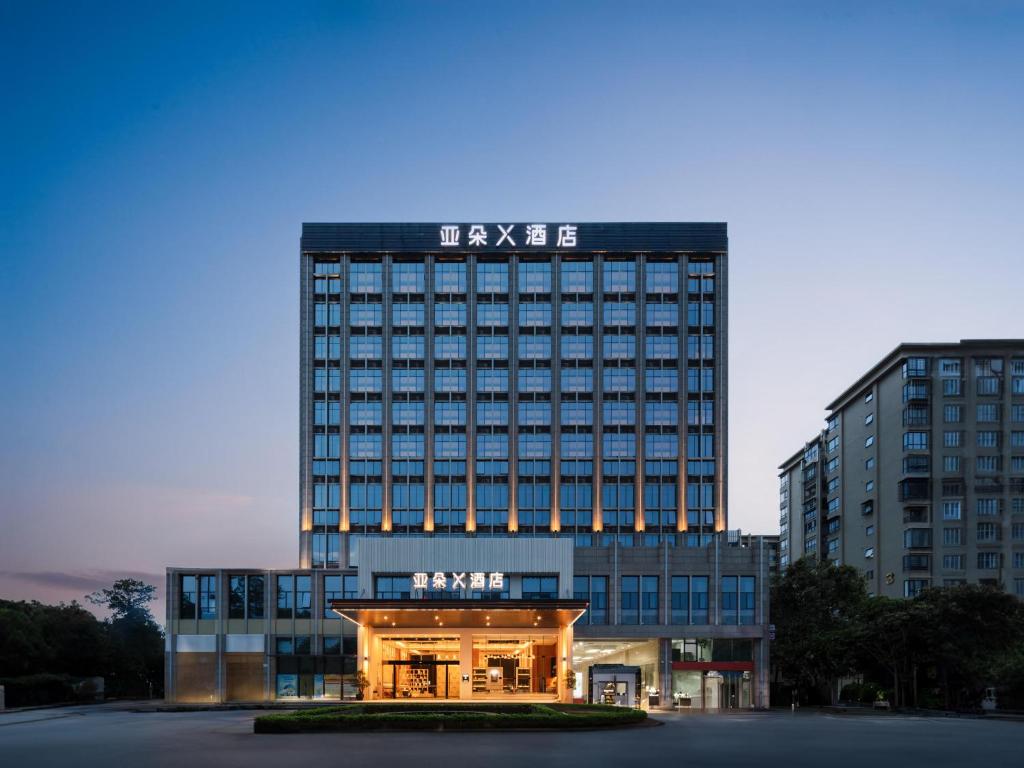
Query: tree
[[884, 635], [964, 633], [134, 638], [814, 608], [126, 598]]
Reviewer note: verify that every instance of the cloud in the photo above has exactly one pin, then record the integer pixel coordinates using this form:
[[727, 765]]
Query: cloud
[[83, 581]]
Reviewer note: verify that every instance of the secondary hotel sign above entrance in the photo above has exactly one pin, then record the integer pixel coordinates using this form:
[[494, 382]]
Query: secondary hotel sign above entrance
[[476, 580], [478, 235]]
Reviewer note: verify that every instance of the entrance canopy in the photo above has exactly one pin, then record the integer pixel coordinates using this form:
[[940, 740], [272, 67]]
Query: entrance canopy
[[469, 614]]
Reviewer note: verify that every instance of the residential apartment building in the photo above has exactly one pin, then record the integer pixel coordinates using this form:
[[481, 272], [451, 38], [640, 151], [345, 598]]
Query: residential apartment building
[[918, 477], [513, 444]]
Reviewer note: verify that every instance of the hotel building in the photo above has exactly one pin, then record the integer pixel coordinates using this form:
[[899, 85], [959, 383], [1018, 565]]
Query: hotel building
[[513, 444], [917, 478]]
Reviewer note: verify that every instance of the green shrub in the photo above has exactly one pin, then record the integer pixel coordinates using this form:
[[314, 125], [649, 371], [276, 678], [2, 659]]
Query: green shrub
[[35, 690], [468, 716]]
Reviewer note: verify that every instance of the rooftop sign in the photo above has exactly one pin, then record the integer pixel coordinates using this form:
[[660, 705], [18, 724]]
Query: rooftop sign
[[515, 237]]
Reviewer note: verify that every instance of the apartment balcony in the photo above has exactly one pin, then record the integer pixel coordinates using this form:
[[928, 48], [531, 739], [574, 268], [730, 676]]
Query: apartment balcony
[[989, 486], [916, 563], [917, 514], [915, 489]]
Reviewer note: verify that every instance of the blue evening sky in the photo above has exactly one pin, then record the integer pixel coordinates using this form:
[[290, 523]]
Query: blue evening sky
[[158, 160]]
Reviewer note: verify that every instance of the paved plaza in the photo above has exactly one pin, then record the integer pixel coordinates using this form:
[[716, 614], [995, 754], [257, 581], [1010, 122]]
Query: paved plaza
[[113, 735]]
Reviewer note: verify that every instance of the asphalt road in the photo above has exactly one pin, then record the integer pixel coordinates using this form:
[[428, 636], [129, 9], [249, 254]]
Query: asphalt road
[[113, 736]]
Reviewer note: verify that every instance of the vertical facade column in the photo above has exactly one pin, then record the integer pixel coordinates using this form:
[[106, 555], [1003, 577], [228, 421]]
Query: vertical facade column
[[665, 672], [385, 512], [640, 395], [170, 590], [465, 664], [565, 636], [513, 393], [556, 398], [220, 584], [721, 390], [471, 394], [305, 408], [597, 396], [343, 405], [682, 523], [428, 393]]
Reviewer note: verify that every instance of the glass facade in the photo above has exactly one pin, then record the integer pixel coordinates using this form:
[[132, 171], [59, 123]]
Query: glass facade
[[540, 393]]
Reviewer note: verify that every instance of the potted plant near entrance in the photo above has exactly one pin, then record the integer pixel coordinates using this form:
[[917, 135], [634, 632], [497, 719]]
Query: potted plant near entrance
[[570, 683], [362, 682]]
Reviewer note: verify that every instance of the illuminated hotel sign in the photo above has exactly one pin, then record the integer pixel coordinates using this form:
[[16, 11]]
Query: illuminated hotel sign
[[506, 234], [476, 580]]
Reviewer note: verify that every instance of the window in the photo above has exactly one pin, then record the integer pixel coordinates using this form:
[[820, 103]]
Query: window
[[987, 507], [988, 439], [985, 464], [987, 532], [951, 464], [747, 599], [952, 387], [395, 587], [649, 600], [207, 597], [187, 601], [540, 587], [949, 366], [285, 597], [366, 277], [869, 441], [953, 414], [915, 441], [303, 597], [914, 587], [492, 277], [832, 444], [988, 561], [598, 600], [699, 600], [951, 510], [988, 413], [680, 600], [869, 552], [917, 537], [869, 486], [988, 385], [915, 367], [952, 537], [245, 597], [869, 462], [951, 439], [630, 600], [332, 591], [730, 600]]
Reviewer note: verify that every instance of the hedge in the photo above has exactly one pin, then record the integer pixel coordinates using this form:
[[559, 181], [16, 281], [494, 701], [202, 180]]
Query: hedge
[[443, 717]]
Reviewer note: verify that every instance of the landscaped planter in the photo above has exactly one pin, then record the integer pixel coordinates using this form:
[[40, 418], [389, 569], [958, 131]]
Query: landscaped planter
[[448, 717]]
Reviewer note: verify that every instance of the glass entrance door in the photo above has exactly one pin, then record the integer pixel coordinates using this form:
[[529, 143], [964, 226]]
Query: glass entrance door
[[425, 667], [423, 678], [735, 691]]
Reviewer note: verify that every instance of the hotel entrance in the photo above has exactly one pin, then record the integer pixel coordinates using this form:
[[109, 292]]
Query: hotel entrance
[[419, 668], [425, 650], [502, 666]]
